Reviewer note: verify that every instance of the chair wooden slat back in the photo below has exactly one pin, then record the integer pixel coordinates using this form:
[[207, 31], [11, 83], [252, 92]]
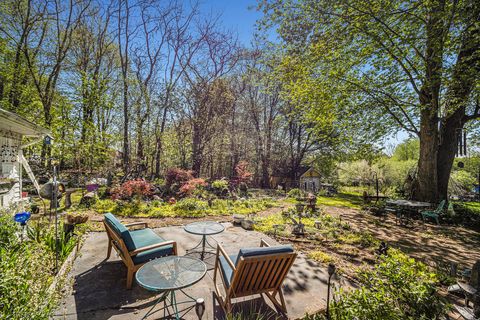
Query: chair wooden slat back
[[118, 243], [260, 274]]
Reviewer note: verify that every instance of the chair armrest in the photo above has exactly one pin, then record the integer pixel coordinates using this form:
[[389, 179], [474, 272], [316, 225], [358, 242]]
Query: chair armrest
[[145, 224], [220, 250], [264, 243], [153, 246]]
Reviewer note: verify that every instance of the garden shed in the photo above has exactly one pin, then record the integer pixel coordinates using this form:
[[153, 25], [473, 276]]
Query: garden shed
[[310, 180], [13, 129]]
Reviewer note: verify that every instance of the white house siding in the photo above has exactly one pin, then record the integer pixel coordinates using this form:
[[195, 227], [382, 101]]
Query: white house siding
[[10, 166], [310, 183]]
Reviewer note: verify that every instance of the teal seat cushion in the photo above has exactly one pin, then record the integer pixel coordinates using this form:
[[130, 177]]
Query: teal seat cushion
[[227, 271], [142, 238], [148, 255], [146, 237]]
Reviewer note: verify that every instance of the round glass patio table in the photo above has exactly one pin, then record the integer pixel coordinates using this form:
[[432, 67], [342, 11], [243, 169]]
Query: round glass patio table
[[204, 229], [167, 275]]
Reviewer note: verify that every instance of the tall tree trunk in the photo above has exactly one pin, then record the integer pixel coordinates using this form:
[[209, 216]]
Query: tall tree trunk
[[126, 148], [197, 156], [447, 150], [427, 184], [426, 188]]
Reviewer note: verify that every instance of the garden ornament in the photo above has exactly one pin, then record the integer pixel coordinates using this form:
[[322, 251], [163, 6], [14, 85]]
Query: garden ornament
[[200, 308], [331, 272], [22, 218], [383, 249]]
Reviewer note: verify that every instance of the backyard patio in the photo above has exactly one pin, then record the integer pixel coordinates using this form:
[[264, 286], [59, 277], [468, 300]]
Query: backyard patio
[[96, 288]]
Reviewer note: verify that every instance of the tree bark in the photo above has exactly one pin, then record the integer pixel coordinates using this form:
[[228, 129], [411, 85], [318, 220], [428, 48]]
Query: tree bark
[[438, 147]]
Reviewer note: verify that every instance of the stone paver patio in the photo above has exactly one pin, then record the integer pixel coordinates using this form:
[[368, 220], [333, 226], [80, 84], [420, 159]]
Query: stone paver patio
[[96, 289]]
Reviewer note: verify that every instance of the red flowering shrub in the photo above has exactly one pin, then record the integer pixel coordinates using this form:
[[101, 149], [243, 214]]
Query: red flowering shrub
[[243, 176], [191, 185], [177, 176], [138, 188]]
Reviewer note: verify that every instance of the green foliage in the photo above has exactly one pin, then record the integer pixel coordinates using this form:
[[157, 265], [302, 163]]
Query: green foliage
[[220, 187], [467, 213], [362, 239], [397, 288], [407, 150], [330, 227], [187, 207], [320, 256], [191, 207], [391, 174], [26, 274], [105, 205], [296, 193], [347, 200], [461, 182]]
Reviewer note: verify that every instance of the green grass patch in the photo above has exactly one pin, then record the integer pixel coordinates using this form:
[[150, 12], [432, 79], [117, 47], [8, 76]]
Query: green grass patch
[[320, 256], [345, 200]]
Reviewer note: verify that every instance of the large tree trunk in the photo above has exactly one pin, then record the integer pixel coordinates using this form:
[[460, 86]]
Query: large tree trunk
[[438, 153], [447, 150], [426, 188], [427, 184]]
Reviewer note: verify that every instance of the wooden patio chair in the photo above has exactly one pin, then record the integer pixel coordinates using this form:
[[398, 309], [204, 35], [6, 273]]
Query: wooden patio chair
[[253, 271], [135, 247], [434, 214]]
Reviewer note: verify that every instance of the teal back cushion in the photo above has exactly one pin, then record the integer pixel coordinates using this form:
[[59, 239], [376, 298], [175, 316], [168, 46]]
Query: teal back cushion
[[119, 229], [251, 252]]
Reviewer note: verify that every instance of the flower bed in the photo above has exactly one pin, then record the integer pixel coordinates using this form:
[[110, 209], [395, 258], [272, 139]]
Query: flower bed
[[27, 269]]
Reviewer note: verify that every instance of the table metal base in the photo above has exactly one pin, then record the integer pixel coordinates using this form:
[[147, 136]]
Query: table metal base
[[170, 302], [203, 244]]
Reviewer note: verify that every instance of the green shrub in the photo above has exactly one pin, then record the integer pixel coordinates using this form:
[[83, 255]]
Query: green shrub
[[295, 193], [397, 288], [26, 274], [220, 187], [105, 205], [190, 207], [130, 209], [467, 213]]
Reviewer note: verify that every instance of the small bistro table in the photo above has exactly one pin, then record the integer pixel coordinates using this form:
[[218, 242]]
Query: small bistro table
[[410, 204], [204, 229], [167, 275]]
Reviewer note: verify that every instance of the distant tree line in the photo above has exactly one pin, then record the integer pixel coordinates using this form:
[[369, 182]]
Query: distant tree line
[[137, 87]]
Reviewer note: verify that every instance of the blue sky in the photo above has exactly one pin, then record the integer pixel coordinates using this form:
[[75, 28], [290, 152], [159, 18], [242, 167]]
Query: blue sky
[[236, 16], [240, 17]]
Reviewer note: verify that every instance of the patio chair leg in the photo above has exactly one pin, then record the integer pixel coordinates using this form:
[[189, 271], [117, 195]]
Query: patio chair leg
[[109, 250], [130, 273], [280, 305], [282, 299], [436, 219], [228, 306]]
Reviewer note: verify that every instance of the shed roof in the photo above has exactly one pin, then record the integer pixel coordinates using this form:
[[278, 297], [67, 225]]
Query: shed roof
[[310, 172], [12, 122]]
